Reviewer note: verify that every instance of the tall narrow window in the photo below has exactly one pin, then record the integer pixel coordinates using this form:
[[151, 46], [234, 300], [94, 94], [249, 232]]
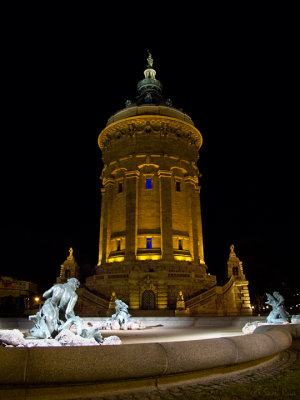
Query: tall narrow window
[[149, 243], [235, 271], [178, 186], [118, 245], [148, 184], [67, 273], [120, 188], [180, 244]]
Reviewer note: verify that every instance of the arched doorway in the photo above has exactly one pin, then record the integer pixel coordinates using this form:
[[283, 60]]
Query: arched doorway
[[148, 300]]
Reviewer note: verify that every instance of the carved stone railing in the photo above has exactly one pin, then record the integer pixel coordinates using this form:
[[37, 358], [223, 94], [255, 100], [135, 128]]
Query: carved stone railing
[[86, 294], [201, 298]]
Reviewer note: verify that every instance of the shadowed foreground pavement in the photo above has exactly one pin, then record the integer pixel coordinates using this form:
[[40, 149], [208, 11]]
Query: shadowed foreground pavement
[[277, 380]]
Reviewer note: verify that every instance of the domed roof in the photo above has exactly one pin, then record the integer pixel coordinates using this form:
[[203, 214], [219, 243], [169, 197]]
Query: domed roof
[[149, 100]]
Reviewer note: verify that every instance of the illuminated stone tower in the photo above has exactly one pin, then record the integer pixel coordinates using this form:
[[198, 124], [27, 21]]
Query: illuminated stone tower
[[151, 242]]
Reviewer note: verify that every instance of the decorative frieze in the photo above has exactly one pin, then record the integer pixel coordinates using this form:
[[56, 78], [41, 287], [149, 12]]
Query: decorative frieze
[[154, 125]]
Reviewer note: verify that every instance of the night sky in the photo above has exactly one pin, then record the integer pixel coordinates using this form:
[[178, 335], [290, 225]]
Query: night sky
[[235, 75]]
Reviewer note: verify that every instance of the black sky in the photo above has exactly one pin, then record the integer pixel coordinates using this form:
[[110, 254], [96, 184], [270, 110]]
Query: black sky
[[234, 74]]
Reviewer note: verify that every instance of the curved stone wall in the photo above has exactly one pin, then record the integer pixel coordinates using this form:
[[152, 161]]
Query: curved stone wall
[[81, 365], [293, 329]]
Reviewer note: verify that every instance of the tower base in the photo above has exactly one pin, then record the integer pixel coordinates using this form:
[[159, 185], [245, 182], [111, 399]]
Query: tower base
[[152, 290]]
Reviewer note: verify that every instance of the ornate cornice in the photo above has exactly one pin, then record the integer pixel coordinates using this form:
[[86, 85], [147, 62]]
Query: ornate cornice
[[132, 174], [149, 124], [164, 174]]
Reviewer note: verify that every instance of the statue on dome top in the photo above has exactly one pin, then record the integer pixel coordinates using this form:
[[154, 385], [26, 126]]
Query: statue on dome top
[[150, 60]]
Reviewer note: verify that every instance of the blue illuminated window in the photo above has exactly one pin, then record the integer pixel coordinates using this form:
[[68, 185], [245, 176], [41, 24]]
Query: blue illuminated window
[[118, 245], [149, 243], [120, 190], [180, 244], [148, 184], [178, 187]]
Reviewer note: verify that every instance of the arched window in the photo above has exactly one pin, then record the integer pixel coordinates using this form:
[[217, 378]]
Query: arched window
[[235, 271]]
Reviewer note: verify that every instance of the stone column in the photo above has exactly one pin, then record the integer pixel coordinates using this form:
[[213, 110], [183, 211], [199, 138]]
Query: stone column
[[134, 295], [166, 215], [131, 214], [107, 194], [101, 226], [162, 295], [197, 205], [162, 298], [195, 230], [190, 186]]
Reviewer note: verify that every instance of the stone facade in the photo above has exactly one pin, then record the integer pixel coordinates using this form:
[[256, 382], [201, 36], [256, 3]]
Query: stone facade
[[68, 269], [151, 240]]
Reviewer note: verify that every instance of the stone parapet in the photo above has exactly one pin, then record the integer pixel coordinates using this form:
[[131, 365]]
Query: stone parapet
[[149, 109]]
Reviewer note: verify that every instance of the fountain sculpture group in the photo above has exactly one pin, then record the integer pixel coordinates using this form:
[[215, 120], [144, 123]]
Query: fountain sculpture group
[[57, 313], [57, 320], [278, 313]]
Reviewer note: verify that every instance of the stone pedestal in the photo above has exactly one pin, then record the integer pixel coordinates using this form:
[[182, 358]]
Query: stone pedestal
[[182, 313], [180, 305]]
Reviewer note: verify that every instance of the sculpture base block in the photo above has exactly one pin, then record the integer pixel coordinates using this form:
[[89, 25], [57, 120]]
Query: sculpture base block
[[182, 313]]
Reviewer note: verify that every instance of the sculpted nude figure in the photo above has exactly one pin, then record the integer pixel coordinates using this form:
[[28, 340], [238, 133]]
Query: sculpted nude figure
[[57, 312]]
